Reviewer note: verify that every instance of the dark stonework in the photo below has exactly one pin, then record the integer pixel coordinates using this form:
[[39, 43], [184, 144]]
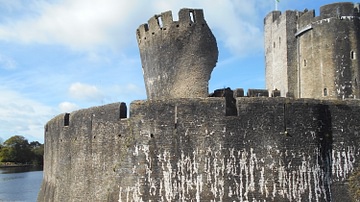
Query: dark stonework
[[320, 56], [177, 56], [275, 149], [185, 145]]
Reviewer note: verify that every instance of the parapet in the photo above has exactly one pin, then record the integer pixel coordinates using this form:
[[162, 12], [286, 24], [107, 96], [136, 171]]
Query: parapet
[[111, 112], [257, 93], [335, 10], [162, 22], [277, 16], [272, 17], [304, 18], [177, 56], [339, 9]]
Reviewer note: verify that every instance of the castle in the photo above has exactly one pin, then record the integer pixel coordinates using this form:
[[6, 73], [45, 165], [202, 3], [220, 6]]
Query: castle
[[301, 143], [310, 56]]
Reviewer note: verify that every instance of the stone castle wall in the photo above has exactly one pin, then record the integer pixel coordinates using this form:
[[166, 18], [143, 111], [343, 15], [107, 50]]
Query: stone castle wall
[[180, 145], [321, 60], [274, 149]]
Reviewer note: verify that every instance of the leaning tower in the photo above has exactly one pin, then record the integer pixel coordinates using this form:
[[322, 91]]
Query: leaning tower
[[177, 56], [310, 56]]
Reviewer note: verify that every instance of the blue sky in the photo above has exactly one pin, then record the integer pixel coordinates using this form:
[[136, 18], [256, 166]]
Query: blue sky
[[62, 55]]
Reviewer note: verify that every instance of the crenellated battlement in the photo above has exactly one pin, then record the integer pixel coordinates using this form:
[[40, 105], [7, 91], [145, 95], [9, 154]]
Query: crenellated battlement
[[315, 43], [177, 56], [339, 9], [272, 17], [306, 17], [183, 143], [101, 157], [335, 10], [276, 17], [164, 21]]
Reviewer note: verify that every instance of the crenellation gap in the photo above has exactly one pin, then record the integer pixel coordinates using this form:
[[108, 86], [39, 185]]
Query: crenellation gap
[[192, 17], [122, 110], [159, 20], [141, 32]]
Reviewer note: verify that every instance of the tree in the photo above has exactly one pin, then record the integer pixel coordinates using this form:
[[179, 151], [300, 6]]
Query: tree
[[37, 150], [16, 149]]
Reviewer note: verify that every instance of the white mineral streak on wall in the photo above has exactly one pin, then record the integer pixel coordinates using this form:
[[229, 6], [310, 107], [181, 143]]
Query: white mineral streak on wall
[[167, 176], [243, 172], [120, 195], [343, 163], [132, 193]]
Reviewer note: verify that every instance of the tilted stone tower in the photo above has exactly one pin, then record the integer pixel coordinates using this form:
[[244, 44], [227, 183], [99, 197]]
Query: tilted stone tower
[[217, 148], [312, 56], [177, 56]]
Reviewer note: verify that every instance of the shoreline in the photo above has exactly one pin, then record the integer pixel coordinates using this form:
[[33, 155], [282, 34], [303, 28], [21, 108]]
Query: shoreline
[[18, 165]]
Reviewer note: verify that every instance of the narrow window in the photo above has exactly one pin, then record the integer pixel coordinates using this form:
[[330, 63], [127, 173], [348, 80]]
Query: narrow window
[[279, 41], [192, 17], [352, 55], [67, 119], [274, 45], [325, 92], [304, 63]]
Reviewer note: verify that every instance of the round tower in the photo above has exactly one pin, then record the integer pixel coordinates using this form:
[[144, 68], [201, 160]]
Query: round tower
[[328, 49], [310, 56], [177, 56]]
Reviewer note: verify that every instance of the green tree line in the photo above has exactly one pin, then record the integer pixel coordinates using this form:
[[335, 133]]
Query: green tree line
[[18, 150]]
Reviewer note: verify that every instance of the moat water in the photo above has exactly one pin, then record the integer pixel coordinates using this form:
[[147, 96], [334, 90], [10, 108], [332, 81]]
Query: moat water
[[20, 184]]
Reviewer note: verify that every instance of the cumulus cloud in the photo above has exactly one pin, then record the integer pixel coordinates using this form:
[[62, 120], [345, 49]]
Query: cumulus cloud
[[87, 25], [85, 92], [78, 24], [67, 107]]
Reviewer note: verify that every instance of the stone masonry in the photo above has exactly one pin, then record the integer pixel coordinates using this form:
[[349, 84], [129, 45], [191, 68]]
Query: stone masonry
[[180, 145], [177, 56], [312, 56]]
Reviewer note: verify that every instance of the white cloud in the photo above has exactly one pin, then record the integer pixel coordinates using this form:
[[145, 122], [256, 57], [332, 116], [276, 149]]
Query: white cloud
[[85, 92], [22, 116], [67, 107], [78, 24], [88, 25]]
